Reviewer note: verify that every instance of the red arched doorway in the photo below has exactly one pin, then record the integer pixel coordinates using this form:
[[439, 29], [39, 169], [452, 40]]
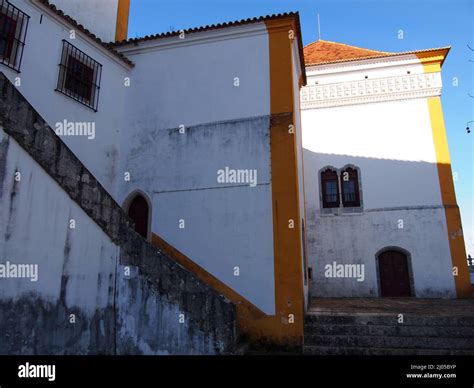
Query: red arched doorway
[[138, 211], [394, 274]]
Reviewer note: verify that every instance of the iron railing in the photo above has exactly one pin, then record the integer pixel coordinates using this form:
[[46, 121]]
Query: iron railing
[[13, 28], [79, 76]]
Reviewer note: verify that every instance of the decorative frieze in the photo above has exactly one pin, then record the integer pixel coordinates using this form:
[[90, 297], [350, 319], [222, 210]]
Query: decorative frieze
[[371, 90]]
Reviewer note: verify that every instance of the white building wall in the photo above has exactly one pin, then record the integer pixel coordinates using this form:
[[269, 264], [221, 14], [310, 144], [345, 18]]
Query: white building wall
[[35, 216], [392, 144], [192, 80], [216, 85], [39, 77], [99, 16]]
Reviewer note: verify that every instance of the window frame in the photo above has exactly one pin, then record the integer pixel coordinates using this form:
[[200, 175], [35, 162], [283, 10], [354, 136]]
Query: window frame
[[15, 37], [354, 177], [323, 180], [73, 80], [340, 209]]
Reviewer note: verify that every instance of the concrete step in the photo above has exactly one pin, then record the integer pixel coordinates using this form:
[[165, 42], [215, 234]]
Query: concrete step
[[388, 319], [390, 330], [366, 351], [396, 342]]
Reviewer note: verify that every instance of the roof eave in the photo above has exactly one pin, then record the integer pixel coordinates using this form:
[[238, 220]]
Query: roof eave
[[441, 52]]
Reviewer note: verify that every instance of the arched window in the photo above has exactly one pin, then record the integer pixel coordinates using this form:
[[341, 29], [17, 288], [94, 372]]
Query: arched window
[[138, 212], [330, 188], [350, 187]]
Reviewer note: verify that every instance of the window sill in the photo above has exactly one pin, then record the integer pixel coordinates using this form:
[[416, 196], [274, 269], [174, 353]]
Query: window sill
[[341, 211]]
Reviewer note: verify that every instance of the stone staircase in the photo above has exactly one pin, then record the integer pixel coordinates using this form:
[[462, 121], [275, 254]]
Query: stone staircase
[[380, 333]]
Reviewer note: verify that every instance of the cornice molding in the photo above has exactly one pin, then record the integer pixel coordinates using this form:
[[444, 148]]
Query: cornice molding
[[367, 91]]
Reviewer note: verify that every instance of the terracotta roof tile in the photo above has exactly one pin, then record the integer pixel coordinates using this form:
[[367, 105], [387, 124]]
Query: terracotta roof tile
[[323, 51]]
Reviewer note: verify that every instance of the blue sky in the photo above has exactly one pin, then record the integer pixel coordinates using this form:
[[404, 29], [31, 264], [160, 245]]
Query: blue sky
[[369, 24]]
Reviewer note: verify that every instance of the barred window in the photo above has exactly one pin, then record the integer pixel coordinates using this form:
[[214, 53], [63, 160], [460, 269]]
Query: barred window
[[350, 187], [13, 27], [330, 188], [79, 76]]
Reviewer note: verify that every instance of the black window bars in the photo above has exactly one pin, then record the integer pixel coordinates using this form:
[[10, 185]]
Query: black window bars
[[13, 27], [79, 76]]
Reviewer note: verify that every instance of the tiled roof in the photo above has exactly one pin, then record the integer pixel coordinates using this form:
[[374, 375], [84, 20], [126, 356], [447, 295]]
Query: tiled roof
[[207, 28], [224, 25], [84, 30], [324, 52]]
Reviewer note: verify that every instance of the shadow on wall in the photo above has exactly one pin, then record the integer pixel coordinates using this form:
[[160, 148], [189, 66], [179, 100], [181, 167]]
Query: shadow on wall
[[97, 287], [401, 206]]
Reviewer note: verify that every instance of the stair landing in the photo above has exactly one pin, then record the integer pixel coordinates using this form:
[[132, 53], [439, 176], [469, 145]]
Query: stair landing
[[371, 326], [435, 307]]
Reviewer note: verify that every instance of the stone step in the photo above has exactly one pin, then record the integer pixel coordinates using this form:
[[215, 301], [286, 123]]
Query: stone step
[[366, 351], [347, 341], [392, 330], [388, 319]]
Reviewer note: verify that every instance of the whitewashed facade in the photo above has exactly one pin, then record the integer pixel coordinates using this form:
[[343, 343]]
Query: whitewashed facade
[[372, 114]]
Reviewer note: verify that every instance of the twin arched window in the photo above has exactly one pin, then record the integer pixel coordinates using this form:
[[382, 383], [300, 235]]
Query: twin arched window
[[340, 187]]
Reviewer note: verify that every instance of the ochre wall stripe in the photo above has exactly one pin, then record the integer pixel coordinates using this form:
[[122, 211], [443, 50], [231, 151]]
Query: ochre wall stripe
[[252, 323], [289, 293], [432, 62], [448, 196], [247, 309], [123, 12]]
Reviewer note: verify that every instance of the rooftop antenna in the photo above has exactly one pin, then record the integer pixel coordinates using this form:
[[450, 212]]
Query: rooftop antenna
[[319, 29]]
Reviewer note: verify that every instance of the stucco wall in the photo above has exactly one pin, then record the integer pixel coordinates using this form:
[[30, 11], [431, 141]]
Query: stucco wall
[[127, 297], [39, 78], [392, 144], [193, 80], [356, 239], [226, 225], [222, 100], [100, 17]]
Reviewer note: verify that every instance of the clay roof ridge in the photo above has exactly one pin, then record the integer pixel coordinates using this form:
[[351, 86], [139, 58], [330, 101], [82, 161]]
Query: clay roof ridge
[[207, 27], [348, 45], [376, 53]]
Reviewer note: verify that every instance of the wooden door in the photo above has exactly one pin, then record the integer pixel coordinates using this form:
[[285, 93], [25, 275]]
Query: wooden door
[[394, 274], [138, 212]]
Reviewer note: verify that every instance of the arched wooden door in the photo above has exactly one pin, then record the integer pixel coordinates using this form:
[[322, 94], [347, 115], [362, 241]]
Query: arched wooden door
[[394, 274], [138, 212]]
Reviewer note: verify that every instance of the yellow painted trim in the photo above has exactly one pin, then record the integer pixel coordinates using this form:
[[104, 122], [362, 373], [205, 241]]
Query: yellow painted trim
[[246, 311], [123, 12], [448, 196], [252, 323], [433, 63], [289, 292]]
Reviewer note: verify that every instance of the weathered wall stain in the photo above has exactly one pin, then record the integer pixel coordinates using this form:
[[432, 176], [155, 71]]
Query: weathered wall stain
[[3, 162], [136, 314]]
